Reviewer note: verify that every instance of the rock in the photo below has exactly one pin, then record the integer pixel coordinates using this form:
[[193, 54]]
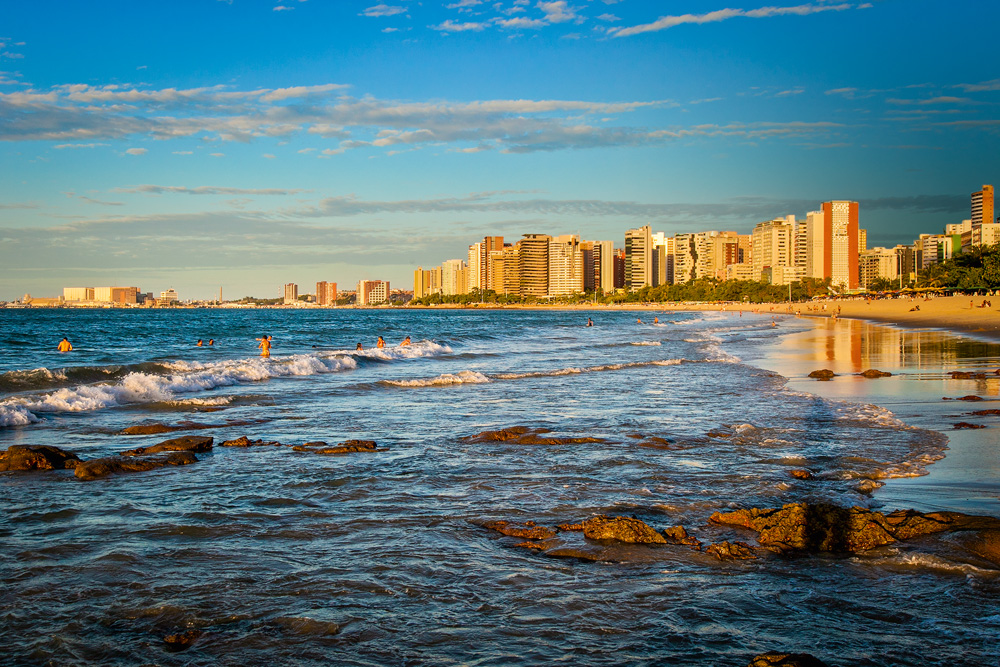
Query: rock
[[96, 468], [347, 447], [971, 397], [825, 374], [187, 443], [983, 413], [182, 641], [536, 546], [966, 375], [523, 435], [657, 442], [801, 473], [731, 551], [622, 529], [823, 527], [872, 374], [571, 527], [985, 544], [576, 554], [961, 425], [679, 535], [786, 660], [36, 457], [244, 441], [148, 429], [157, 427], [528, 530]]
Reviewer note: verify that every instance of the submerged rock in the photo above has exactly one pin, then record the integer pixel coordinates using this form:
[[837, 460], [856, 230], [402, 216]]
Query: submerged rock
[[36, 457], [182, 640], [96, 468], [528, 530], [524, 435], [188, 443], [984, 413], [872, 374], [786, 660], [149, 429], [825, 374], [348, 447], [985, 544], [961, 425], [967, 375], [244, 441], [801, 473], [731, 551], [970, 397], [622, 529], [823, 527]]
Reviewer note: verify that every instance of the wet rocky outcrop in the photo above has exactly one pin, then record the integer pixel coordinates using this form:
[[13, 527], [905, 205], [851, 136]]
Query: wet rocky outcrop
[[37, 457], [873, 374], [801, 473], [244, 441], [528, 530], [985, 413], [824, 374], [732, 551], [679, 535], [786, 660], [963, 425], [622, 529], [189, 443], [111, 465], [967, 375], [524, 435], [831, 528], [347, 447], [970, 397], [985, 544], [155, 428]]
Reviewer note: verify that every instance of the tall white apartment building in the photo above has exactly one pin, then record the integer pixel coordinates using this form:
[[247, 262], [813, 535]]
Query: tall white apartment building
[[638, 258], [565, 265]]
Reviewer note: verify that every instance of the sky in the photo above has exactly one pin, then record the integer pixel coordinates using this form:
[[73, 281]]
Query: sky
[[244, 144]]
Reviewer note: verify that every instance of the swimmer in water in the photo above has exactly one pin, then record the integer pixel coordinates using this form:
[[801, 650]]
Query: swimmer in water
[[590, 322], [359, 348], [265, 346], [638, 320], [406, 342], [380, 343], [656, 320], [198, 344], [65, 345], [211, 342]]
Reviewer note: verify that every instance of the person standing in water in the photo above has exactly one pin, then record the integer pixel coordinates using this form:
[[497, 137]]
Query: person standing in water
[[359, 348], [65, 345], [380, 343], [406, 342], [590, 322], [265, 345]]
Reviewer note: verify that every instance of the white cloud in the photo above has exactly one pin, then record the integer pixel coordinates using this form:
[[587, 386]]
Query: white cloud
[[300, 91], [610, 18], [136, 151], [283, 8], [183, 152], [451, 26], [558, 11], [205, 190], [217, 154], [666, 22], [383, 9], [65, 146], [462, 4]]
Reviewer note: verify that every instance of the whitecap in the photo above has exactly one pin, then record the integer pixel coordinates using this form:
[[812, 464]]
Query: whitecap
[[462, 377]]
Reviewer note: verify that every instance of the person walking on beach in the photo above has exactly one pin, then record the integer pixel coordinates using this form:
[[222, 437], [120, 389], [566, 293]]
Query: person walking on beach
[[265, 346], [65, 345], [381, 343]]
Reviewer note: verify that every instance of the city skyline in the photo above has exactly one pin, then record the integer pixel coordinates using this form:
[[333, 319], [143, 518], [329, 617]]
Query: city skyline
[[359, 140]]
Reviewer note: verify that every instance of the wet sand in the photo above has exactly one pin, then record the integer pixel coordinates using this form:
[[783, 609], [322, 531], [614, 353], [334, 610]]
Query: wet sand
[[967, 479]]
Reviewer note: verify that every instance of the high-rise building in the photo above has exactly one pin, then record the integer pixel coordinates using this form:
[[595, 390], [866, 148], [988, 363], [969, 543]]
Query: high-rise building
[[814, 252], [533, 250], [372, 292], [420, 280], [773, 247], [638, 258], [840, 224], [489, 245], [291, 293], [604, 266], [862, 240], [326, 293], [475, 263], [454, 277], [565, 265], [982, 206], [509, 274], [878, 263], [619, 268]]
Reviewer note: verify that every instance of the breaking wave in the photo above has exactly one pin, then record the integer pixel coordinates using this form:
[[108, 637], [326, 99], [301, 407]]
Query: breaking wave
[[462, 377]]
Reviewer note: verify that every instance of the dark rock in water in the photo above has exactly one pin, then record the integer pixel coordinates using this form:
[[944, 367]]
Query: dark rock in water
[[971, 397], [967, 375], [656, 442], [157, 427], [577, 554], [348, 447], [801, 473], [961, 425], [824, 527], [148, 429], [825, 374], [244, 441], [523, 435], [96, 468], [528, 530], [622, 529], [985, 544], [984, 413], [188, 443], [786, 660], [182, 641], [36, 457], [731, 551], [872, 374], [571, 527], [679, 535]]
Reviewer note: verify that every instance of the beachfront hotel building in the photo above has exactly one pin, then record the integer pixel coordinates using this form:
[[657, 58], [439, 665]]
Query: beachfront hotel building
[[773, 245], [291, 293], [372, 292], [638, 258], [533, 251], [982, 206], [566, 266], [454, 277], [840, 227], [326, 293]]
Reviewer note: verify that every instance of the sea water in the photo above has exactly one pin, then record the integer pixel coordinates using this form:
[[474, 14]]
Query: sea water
[[288, 557]]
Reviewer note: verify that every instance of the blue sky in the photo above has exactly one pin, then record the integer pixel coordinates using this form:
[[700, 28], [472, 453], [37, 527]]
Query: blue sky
[[245, 144]]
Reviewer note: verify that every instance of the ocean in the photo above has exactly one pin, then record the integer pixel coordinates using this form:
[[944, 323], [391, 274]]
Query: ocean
[[293, 557]]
